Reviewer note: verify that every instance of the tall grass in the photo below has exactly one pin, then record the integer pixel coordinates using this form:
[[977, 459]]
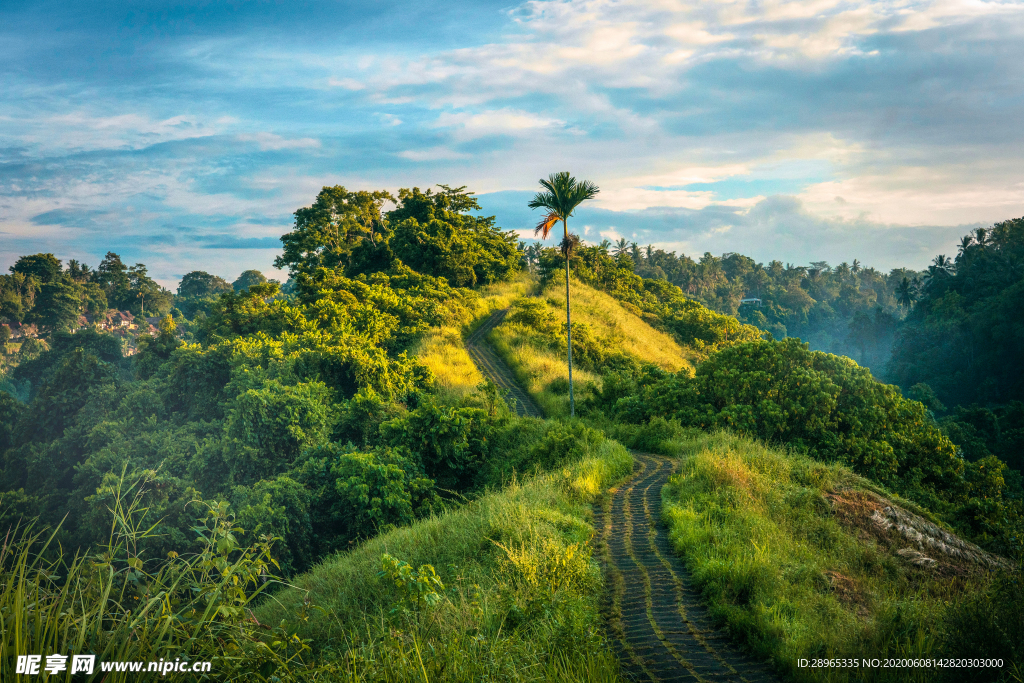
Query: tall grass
[[624, 329], [520, 596], [543, 371], [792, 577], [113, 604], [442, 349]]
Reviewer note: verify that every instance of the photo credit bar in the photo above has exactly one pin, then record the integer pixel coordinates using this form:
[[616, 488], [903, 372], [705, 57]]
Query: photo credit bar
[[35, 665]]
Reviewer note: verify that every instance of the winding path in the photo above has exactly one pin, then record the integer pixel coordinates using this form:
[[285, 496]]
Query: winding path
[[495, 369], [661, 632], [660, 629]]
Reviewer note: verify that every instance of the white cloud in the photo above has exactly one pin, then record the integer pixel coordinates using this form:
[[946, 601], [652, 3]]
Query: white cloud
[[270, 141], [439, 153]]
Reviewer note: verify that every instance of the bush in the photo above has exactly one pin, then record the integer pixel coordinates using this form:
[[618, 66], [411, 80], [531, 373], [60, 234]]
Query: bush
[[566, 442]]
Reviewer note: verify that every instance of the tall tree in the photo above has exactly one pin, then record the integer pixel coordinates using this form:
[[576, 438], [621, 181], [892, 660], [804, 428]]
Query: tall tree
[[562, 194], [326, 232], [247, 279], [43, 267], [58, 305], [905, 293], [201, 284]]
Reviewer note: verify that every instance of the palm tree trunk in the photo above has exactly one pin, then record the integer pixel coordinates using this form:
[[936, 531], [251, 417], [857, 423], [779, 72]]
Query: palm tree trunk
[[568, 322]]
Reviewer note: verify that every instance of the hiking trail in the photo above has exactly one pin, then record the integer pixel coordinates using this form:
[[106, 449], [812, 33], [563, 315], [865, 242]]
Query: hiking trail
[[494, 368], [659, 629]]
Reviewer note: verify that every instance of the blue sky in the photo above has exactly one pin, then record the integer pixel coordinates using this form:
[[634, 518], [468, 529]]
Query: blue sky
[[184, 136]]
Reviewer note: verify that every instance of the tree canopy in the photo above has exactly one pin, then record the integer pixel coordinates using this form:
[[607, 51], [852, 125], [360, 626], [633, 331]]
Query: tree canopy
[[431, 232]]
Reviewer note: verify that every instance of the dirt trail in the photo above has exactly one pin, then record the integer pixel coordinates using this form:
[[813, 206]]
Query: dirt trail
[[661, 631], [495, 369]]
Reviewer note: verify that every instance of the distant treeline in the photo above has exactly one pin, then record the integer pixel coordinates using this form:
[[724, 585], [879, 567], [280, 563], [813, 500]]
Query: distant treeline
[[951, 336], [849, 309]]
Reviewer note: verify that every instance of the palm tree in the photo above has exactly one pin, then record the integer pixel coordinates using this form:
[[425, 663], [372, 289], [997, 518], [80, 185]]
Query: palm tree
[[562, 194], [905, 293], [943, 266], [634, 251], [621, 247]]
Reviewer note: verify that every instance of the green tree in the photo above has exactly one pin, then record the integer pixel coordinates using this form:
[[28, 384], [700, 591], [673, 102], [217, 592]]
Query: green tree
[[112, 276], [247, 279], [200, 284], [43, 267], [434, 233], [58, 305], [906, 293], [562, 194], [144, 290], [326, 233]]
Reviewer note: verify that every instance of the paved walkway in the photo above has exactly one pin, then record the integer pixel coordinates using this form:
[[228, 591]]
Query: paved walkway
[[495, 369], [661, 631]]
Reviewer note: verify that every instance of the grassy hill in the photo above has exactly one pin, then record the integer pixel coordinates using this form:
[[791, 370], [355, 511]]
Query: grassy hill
[[427, 533], [516, 597], [536, 353], [804, 559], [442, 350]]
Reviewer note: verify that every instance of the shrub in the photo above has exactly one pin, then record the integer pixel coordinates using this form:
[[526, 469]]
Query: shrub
[[564, 443]]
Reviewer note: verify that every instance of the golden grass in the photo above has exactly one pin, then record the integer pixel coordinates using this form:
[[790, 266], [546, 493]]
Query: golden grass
[[443, 349], [536, 366], [609, 319]]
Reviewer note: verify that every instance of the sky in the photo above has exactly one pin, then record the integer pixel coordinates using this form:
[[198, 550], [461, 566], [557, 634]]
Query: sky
[[184, 136]]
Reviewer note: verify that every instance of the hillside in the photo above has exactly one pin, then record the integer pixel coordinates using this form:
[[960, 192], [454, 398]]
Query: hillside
[[605, 334], [370, 508]]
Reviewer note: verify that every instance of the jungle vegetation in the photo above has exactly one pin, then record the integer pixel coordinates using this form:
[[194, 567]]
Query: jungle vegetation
[[315, 434]]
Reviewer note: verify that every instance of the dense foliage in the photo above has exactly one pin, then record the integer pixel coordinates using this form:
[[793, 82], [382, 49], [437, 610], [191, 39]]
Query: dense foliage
[[964, 337], [847, 309], [829, 407], [662, 304], [41, 291], [305, 414], [431, 232]]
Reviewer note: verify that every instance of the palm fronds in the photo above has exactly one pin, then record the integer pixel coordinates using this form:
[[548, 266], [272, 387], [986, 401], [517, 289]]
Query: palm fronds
[[544, 227]]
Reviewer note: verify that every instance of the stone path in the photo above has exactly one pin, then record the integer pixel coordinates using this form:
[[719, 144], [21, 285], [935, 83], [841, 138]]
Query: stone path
[[660, 629], [495, 369], [661, 632]]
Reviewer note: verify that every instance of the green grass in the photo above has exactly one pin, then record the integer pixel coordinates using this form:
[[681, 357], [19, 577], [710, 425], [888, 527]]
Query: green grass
[[520, 597], [543, 371], [443, 350], [784, 551], [122, 607]]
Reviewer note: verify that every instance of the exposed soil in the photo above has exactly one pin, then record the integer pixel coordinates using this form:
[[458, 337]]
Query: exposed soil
[[661, 630], [495, 369], [908, 536]]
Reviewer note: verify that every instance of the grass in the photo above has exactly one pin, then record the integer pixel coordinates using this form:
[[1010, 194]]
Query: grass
[[624, 330], [443, 351], [520, 589], [543, 371], [121, 607], [788, 559]]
